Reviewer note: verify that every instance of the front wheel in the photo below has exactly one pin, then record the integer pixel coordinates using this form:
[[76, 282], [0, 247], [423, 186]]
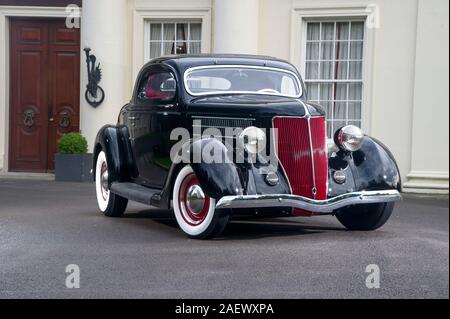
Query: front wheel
[[195, 211], [110, 204], [365, 217]]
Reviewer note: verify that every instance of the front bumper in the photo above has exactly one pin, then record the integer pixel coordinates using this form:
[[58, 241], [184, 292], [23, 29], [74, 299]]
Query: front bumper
[[317, 206]]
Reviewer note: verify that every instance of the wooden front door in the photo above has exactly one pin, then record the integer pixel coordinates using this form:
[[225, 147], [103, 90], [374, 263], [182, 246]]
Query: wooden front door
[[44, 91]]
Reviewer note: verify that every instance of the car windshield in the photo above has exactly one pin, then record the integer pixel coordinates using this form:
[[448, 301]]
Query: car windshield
[[241, 79]]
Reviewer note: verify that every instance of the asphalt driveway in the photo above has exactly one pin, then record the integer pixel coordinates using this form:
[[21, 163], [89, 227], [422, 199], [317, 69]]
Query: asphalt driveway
[[45, 226]]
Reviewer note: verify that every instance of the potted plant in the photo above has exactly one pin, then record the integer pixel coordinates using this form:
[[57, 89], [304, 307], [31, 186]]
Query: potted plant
[[72, 162]]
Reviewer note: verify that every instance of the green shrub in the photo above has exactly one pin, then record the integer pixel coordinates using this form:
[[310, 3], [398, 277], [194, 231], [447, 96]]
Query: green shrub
[[72, 143]]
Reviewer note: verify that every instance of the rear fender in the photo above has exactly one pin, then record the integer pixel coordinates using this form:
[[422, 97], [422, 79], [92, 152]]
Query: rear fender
[[115, 142]]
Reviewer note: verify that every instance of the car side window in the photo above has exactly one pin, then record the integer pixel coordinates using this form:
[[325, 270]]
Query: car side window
[[158, 87]]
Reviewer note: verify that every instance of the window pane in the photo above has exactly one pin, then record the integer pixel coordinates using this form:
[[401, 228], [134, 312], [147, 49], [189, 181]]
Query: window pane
[[169, 32], [326, 92], [169, 38], [342, 31], [313, 31], [355, 71], [327, 31], [342, 50], [341, 70], [356, 50], [355, 91], [341, 91], [326, 70], [354, 110], [182, 31], [169, 48], [196, 31], [312, 70], [195, 48], [155, 49], [340, 110], [158, 86], [327, 51], [313, 91], [155, 32], [312, 51], [181, 47], [357, 32]]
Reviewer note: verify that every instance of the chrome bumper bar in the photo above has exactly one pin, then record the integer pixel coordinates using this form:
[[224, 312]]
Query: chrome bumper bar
[[317, 206]]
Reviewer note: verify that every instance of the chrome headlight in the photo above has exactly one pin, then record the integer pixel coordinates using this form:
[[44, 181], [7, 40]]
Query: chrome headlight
[[349, 138], [253, 140]]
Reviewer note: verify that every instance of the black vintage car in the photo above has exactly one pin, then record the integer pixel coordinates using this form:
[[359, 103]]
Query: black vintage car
[[214, 136]]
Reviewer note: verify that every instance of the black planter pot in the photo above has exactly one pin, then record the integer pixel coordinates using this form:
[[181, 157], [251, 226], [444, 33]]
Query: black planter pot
[[73, 168]]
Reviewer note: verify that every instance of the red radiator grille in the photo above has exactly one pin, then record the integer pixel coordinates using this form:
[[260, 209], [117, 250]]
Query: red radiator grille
[[294, 153], [319, 143]]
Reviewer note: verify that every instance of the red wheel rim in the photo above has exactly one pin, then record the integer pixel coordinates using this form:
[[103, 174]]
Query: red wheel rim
[[103, 171], [190, 217]]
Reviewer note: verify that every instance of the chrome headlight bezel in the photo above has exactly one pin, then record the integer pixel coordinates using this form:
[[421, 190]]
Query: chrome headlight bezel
[[253, 140], [349, 138]]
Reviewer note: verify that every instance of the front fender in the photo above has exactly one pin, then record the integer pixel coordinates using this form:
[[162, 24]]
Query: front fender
[[115, 142], [371, 168], [218, 177]]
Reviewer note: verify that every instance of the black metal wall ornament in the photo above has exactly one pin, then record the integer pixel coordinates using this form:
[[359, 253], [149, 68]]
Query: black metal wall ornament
[[94, 95]]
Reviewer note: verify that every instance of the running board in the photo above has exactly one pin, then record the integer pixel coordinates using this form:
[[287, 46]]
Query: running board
[[135, 192]]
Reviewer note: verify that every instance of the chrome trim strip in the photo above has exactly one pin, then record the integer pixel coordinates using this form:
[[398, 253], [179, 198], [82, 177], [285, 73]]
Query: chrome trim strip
[[224, 66], [311, 149], [223, 118], [318, 206]]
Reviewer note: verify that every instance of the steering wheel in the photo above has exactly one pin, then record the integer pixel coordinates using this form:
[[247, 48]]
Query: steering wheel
[[271, 91]]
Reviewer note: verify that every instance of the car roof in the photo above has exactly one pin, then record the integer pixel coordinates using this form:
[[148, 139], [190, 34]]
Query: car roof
[[183, 62]]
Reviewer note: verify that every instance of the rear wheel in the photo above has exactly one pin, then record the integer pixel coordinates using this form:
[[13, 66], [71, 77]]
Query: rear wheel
[[110, 204], [365, 217], [195, 211]]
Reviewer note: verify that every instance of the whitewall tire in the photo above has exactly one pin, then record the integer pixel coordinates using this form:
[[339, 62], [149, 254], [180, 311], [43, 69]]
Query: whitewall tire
[[109, 203], [195, 211]]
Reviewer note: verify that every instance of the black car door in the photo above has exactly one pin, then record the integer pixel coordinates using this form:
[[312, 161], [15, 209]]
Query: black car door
[[151, 119]]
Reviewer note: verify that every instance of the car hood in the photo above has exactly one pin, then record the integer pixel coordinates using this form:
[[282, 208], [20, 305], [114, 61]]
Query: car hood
[[250, 106]]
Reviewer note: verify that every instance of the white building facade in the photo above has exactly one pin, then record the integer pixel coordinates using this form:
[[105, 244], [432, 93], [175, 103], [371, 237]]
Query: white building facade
[[382, 65]]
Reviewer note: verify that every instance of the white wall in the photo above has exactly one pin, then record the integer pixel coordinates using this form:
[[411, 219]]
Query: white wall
[[393, 79], [430, 131], [105, 31], [236, 26], [275, 28]]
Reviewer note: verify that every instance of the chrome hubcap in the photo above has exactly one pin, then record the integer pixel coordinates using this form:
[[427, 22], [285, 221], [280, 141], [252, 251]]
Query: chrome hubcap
[[104, 178], [195, 199]]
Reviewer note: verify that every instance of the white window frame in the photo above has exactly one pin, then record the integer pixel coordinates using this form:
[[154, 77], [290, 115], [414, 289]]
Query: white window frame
[[147, 31], [301, 15], [143, 14]]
